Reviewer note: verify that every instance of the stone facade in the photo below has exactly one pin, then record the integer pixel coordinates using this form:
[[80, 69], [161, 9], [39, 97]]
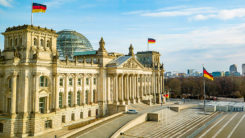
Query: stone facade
[[41, 93]]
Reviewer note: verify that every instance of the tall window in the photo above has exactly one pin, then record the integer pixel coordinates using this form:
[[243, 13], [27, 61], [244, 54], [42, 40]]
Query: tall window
[[35, 41], [42, 105], [48, 43], [79, 81], [86, 97], [10, 42], [70, 81], [20, 41], [87, 81], [69, 99], [78, 98], [43, 81], [61, 81], [94, 81], [10, 83], [94, 96], [1, 127], [15, 42], [60, 99], [42, 42]]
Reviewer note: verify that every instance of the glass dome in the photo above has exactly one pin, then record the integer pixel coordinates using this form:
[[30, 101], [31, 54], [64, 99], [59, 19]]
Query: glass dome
[[69, 42]]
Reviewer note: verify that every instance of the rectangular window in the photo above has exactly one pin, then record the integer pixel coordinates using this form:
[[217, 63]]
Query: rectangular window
[[61, 82], [42, 105], [9, 105], [60, 99], [79, 81], [81, 115], [10, 83], [70, 81], [94, 81], [48, 124], [94, 96], [1, 127], [69, 98], [42, 81], [63, 118], [87, 81], [72, 116], [86, 97], [78, 98]]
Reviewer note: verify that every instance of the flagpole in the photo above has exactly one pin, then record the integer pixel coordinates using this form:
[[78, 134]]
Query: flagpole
[[147, 45], [31, 11], [204, 104], [204, 96]]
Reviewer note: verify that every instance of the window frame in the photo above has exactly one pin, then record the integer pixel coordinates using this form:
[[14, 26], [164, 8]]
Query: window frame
[[61, 84], [70, 81]]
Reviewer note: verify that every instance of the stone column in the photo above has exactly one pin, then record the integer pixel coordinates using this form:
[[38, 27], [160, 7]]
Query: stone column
[[56, 87], [92, 89], [13, 94], [149, 84], [115, 88], [137, 88], [75, 90], [83, 89], [127, 89], [121, 92], [36, 93], [141, 86]]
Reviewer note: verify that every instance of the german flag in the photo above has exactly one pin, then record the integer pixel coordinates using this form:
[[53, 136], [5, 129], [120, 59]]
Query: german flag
[[207, 75], [36, 7], [151, 41]]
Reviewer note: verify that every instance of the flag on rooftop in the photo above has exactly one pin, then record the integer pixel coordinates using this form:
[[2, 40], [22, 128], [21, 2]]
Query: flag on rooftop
[[36, 7], [151, 41], [207, 75]]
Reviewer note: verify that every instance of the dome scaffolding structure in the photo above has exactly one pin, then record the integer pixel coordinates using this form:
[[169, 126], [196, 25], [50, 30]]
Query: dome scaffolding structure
[[69, 42]]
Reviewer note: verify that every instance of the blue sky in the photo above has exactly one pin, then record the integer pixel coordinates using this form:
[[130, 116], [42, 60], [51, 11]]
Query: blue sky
[[189, 33]]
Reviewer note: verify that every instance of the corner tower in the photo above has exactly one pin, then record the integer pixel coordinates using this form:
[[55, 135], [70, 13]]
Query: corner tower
[[29, 42]]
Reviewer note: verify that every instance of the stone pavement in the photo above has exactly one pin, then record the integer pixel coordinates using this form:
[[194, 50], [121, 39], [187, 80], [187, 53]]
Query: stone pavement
[[172, 124], [109, 128]]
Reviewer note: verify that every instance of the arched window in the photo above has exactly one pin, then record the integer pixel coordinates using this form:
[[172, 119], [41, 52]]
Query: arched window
[[60, 99], [78, 98], [86, 97], [42, 42], [35, 41], [43, 81], [1, 127], [48, 43], [69, 99]]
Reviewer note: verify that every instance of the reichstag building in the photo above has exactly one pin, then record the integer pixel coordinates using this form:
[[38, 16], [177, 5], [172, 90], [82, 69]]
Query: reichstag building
[[49, 80]]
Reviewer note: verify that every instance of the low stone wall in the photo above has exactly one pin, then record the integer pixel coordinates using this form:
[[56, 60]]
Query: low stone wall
[[142, 118], [90, 125], [178, 108], [155, 116]]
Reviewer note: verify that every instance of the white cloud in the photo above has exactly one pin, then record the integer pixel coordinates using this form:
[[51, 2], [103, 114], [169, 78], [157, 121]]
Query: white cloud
[[222, 14], [6, 3], [201, 13], [57, 3], [179, 12]]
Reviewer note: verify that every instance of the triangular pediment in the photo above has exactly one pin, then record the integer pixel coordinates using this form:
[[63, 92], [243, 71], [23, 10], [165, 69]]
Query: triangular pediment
[[132, 63]]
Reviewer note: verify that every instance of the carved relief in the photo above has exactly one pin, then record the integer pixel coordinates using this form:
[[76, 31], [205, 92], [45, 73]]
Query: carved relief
[[131, 64]]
